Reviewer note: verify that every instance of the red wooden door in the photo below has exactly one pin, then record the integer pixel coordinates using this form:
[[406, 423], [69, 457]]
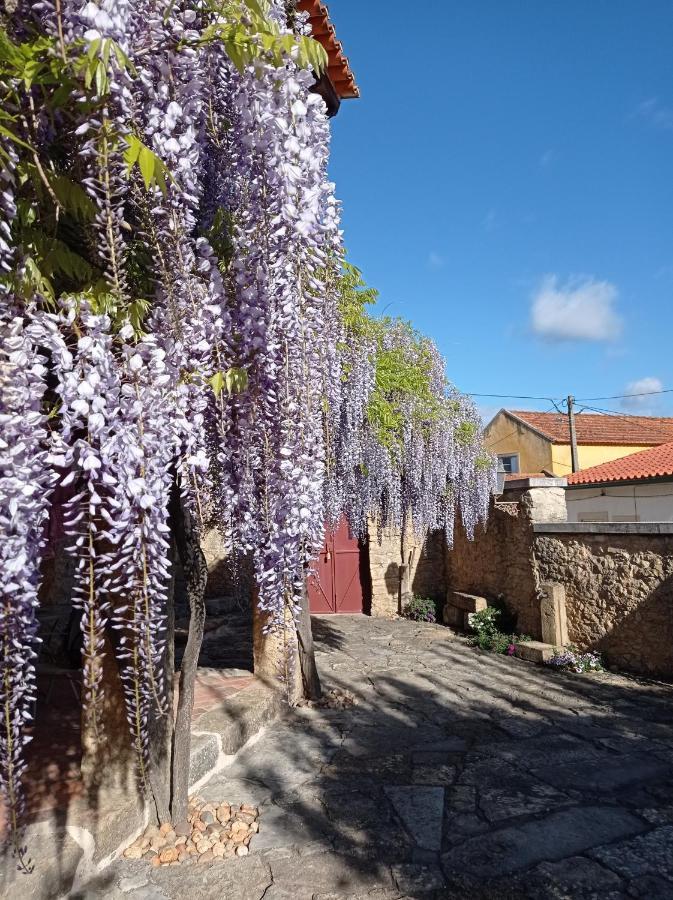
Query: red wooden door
[[334, 586]]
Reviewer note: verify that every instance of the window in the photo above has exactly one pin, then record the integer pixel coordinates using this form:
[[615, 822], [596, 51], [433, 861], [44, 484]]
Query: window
[[510, 462], [593, 517]]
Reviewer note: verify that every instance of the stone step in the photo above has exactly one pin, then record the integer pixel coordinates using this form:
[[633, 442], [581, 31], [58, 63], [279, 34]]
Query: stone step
[[534, 651], [67, 848]]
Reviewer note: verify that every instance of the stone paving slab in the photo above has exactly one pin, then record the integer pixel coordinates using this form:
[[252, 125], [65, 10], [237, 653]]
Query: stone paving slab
[[458, 774]]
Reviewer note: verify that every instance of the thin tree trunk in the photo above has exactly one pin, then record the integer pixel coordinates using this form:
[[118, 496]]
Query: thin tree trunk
[[309, 670], [404, 566], [161, 727], [196, 573]]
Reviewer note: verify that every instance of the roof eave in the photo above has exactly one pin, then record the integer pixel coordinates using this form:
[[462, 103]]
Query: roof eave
[[621, 482]]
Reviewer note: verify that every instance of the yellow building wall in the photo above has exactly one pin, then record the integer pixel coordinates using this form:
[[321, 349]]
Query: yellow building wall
[[504, 435], [588, 455]]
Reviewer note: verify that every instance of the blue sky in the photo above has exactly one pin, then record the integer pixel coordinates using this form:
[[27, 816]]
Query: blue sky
[[507, 181]]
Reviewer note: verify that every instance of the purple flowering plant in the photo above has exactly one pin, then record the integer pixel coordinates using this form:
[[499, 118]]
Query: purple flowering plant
[[172, 319], [575, 660], [421, 609]]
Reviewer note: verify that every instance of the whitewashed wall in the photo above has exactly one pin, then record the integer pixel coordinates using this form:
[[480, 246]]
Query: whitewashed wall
[[624, 503]]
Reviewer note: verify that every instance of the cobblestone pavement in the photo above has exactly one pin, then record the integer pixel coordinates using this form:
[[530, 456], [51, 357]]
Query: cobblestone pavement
[[458, 774]]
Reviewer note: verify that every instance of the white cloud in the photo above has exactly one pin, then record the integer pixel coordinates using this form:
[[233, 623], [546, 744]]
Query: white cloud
[[435, 260], [656, 113], [547, 158], [642, 391], [580, 310]]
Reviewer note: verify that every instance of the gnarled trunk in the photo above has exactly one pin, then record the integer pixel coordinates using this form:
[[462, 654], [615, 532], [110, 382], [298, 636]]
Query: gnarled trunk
[[196, 573]]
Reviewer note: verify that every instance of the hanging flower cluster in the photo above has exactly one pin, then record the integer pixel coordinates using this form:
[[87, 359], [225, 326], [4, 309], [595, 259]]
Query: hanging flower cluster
[[166, 230], [407, 446], [170, 283]]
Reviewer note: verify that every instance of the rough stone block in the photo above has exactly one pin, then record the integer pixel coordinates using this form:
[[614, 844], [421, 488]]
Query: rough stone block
[[534, 651], [553, 614], [453, 616], [469, 603]]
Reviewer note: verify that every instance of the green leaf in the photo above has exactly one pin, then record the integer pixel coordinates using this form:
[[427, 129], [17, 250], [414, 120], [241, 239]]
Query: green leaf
[[236, 380], [256, 7], [147, 163], [72, 197], [132, 152], [92, 50], [13, 137], [216, 382]]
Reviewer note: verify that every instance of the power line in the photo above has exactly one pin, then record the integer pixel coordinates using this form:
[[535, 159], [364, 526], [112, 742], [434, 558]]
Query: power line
[[578, 399], [624, 396], [633, 419], [512, 397]]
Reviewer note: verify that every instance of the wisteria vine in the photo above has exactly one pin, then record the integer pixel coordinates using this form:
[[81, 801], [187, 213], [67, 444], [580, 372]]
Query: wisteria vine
[[170, 314]]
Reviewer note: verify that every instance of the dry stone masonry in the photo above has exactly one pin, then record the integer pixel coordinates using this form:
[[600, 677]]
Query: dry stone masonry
[[602, 586]]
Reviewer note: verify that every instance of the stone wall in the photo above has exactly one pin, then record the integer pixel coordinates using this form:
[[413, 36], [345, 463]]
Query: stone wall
[[619, 589], [427, 576], [499, 563], [618, 578]]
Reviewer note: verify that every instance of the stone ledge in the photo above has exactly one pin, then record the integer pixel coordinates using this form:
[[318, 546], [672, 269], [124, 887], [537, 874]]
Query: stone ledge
[[470, 603], [603, 528], [241, 716], [517, 484], [459, 606], [534, 651]]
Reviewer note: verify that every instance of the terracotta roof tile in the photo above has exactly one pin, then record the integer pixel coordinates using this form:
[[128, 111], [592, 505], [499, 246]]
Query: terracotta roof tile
[[596, 428], [657, 462], [338, 68]]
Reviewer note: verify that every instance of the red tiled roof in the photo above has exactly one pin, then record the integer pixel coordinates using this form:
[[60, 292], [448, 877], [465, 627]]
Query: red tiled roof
[[595, 428], [338, 67], [657, 462]]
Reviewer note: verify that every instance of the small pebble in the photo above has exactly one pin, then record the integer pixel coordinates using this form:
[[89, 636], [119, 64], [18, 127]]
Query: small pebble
[[242, 850]]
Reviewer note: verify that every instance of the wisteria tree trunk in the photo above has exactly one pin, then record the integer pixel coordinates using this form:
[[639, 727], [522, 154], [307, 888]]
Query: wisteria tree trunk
[[162, 727], [309, 670], [196, 573], [404, 593]]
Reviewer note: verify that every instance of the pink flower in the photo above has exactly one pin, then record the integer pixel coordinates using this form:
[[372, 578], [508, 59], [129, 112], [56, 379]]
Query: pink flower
[[511, 649]]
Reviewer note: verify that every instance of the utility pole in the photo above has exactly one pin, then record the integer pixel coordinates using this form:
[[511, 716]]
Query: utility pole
[[573, 435]]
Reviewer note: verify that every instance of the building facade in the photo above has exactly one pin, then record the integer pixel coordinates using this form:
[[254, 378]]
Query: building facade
[[539, 442]]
